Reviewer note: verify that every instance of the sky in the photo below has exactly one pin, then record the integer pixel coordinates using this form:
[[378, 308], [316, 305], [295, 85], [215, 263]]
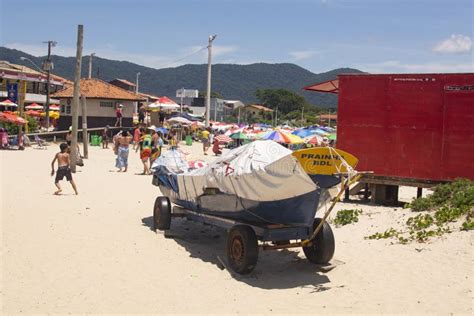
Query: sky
[[378, 36]]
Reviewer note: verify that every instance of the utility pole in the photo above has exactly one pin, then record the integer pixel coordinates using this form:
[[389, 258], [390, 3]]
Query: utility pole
[[85, 134], [302, 116], [90, 65], [329, 118], [136, 92], [47, 66], [276, 117], [75, 100], [208, 94], [238, 119]]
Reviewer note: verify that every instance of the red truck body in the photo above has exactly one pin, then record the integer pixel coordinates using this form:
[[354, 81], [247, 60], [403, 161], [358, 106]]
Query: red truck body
[[412, 126]]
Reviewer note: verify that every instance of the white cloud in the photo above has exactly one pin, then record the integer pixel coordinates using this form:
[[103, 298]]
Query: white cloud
[[303, 54], [218, 50], [397, 66], [457, 43]]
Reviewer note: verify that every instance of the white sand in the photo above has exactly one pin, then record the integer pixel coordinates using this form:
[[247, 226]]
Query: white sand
[[95, 253]]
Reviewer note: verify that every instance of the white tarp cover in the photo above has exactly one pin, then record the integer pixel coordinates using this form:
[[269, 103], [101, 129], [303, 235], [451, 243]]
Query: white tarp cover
[[260, 171], [173, 160]]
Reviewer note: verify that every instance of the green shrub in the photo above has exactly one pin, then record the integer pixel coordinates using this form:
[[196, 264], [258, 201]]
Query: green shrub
[[345, 217], [420, 222], [389, 233]]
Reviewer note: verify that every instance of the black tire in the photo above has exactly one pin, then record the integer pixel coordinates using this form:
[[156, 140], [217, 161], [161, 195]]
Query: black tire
[[242, 249], [162, 213], [322, 249]]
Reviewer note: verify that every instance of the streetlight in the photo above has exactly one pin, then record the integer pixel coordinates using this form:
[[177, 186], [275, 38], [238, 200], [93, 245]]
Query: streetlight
[[208, 95], [47, 66], [90, 64], [33, 63], [136, 91]]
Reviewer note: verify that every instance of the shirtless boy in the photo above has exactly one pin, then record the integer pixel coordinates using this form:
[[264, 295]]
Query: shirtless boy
[[63, 168]]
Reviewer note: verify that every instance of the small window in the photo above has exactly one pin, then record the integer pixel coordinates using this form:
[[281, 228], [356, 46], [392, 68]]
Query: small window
[[63, 108], [68, 109], [106, 104]]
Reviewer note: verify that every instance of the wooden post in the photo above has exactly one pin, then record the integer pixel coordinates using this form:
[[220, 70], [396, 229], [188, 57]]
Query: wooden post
[[85, 135], [75, 100]]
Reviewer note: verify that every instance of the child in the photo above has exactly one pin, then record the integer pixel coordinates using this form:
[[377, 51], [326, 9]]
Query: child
[[63, 168]]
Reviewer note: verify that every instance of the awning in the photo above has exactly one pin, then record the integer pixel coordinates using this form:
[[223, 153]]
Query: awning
[[331, 86]]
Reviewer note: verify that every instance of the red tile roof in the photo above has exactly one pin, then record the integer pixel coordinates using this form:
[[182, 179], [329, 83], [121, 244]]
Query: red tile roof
[[124, 81], [97, 89]]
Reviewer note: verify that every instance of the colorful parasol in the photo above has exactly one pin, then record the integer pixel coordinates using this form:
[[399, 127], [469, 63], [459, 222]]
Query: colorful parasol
[[8, 103], [238, 135], [281, 137], [223, 138], [54, 107], [34, 106]]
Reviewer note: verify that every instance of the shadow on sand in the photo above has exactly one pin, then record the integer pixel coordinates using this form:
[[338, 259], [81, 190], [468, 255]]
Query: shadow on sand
[[281, 269]]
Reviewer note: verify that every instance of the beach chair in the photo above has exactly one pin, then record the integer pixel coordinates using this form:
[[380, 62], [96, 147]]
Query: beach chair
[[40, 142]]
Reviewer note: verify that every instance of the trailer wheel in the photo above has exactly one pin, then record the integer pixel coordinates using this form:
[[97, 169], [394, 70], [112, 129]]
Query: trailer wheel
[[242, 249], [323, 246], [162, 213]]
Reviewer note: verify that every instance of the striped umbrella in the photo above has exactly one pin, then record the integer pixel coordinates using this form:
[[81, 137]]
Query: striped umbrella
[[223, 138], [34, 106], [281, 137]]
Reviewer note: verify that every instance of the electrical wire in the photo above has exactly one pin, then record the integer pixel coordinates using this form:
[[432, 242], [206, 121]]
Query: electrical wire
[[182, 58]]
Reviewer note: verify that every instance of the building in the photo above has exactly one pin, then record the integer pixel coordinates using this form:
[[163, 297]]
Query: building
[[328, 119], [256, 112], [27, 85], [102, 99], [124, 84]]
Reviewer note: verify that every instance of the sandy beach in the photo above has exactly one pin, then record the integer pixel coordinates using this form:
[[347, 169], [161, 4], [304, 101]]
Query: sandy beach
[[96, 253]]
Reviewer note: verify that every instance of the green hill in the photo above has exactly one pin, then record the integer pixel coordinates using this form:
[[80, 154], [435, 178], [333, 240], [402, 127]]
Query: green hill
[[232, 81]]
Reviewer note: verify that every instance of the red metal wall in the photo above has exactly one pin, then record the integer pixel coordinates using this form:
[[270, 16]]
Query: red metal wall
[[418, 126]]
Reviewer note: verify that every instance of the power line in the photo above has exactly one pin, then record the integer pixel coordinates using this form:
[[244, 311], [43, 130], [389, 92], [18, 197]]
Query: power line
[[182, 58]]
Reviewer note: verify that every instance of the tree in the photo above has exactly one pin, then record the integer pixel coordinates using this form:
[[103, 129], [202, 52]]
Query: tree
[[285, 100], [214, 94]]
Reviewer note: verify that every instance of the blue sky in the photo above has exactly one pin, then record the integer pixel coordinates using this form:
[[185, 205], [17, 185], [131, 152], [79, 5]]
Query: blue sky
[[378, 36]]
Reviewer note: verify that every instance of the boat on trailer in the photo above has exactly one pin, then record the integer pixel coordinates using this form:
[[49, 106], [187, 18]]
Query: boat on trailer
[[260, 191]]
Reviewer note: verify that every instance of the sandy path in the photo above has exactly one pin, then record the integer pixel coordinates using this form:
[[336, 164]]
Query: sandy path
[[95, 253]]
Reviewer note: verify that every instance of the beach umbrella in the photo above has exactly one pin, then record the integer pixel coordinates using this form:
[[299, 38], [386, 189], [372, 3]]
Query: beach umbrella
[[332, 136], [197, 124], [238, 135], [304, 132], [281, 137], [314, 140], [34, 106], [223, 138], [33, 113], [162, 130], [180, 120], [164, 103], [10, 117], [54, 107], [8, 103], [294, 139]]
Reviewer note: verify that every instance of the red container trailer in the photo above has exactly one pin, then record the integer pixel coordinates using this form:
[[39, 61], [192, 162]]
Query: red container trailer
[[407, 128]]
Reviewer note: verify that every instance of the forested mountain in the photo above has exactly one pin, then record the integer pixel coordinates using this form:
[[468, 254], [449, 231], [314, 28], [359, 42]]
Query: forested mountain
[[232, 81]]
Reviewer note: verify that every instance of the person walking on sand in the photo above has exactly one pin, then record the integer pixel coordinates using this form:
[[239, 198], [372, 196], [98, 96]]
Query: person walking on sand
[[205, 141], [146, 144], [105, 137], [63, 168], [136, 136], [123, 142]]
